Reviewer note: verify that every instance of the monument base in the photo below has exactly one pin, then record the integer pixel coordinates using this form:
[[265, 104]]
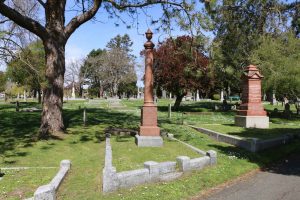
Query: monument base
[[149, 131], [252, 121], [148, 141]]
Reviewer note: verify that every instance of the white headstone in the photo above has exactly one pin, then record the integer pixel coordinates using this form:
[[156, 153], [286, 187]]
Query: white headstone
[[197, 95], [222, 96], [274, 101], [164, 94], [138, 93]]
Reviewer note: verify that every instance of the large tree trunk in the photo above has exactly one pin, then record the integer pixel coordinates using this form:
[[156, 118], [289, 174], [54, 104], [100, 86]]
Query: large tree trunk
[[52, 120], [178, 101]]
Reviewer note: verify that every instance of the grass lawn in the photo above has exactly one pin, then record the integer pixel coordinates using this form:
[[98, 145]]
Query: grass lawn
[[84, 146], [127, 156], [223, 122]]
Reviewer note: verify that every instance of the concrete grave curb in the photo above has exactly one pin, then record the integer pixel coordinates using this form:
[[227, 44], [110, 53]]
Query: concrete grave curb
[[250, 144], [48, 192], [152, 171]]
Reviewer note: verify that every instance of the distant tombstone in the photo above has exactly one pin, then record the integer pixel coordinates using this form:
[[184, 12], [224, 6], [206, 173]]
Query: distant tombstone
[[285, 101], [216, 107], [164, 94], [264, 97], [251, 113], [197, 95], [222, 96], [233, 107], [170, 95]]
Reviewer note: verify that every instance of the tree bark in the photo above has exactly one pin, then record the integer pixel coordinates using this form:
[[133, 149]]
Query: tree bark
[[178, 101], [52, 119]]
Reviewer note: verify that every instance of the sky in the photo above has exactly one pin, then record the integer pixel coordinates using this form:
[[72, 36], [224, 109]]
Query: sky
[[97, 33]]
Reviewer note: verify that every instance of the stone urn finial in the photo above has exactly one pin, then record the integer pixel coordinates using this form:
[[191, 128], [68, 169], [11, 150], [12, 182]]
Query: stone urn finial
[[149, 34], [149, 44]]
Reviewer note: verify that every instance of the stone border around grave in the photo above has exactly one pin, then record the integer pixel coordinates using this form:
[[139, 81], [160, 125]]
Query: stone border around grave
[[251, 144], [152, 171], [48, 192]]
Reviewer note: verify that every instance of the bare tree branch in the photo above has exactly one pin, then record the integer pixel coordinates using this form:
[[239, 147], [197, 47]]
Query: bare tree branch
[[23, 21], [139, 5], [42, 3], [80, 19]]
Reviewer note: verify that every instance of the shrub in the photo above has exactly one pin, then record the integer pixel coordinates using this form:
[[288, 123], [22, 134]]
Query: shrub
[[216, 97]]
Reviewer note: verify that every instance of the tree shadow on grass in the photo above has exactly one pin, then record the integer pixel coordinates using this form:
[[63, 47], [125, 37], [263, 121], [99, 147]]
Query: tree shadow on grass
[[17, 129], [20, 129]]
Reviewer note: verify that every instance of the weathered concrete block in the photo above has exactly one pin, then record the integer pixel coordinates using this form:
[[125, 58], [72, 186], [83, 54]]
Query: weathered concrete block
[[148, 141], [66, 164], [153, 168], [64, 168], [110, 179], [166, 167], [199, 163], [213, 156], [252, 121], [131, 178], [170, 176], [170, 136], [45, 192], [184, 163]]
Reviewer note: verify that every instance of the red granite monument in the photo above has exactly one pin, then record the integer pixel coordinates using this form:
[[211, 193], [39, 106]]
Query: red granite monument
[[149, 134], [251, 113]]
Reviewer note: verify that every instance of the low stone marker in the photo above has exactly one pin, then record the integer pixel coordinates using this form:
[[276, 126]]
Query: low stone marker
[[48, 192], [152, 171]]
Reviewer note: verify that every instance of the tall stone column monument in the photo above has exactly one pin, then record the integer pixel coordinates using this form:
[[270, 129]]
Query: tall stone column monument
[[149, 134], [251, 113]]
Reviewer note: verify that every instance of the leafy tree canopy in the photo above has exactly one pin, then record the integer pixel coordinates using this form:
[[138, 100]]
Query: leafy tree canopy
[[181, 67], [278, 58]]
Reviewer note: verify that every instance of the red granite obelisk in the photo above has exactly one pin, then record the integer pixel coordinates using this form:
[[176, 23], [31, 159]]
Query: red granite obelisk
[[251, 113], [149, 134]]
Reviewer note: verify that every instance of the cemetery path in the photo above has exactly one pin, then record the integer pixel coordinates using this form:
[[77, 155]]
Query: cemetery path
[[279, 182]]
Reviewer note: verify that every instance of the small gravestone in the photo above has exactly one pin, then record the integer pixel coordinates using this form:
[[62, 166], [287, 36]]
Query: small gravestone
[[216, 107], [222, 96], [164, 94], [274, 101]]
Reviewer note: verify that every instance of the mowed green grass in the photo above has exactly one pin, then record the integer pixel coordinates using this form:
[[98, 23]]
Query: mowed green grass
[[128, 156], [223, 122], [84, 146]]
